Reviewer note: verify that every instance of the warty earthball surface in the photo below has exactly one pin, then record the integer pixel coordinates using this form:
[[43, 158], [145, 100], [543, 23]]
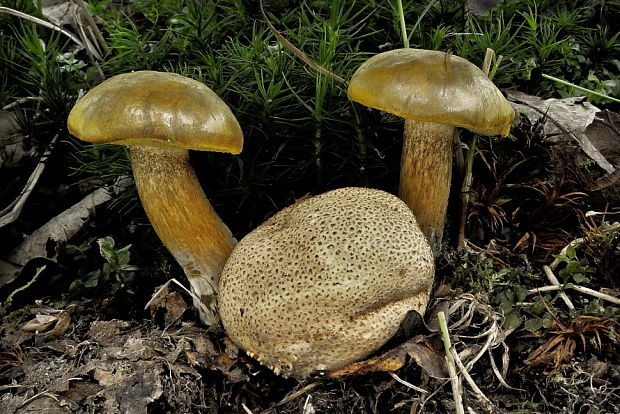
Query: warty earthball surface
[[326, 281]]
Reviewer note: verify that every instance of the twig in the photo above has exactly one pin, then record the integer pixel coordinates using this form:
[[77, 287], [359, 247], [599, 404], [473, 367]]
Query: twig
[[34, 397], [41, 22], [294, 395], [91, 47], [407, 384], [301, 55], [555, 282], [580, 289], [467, 172], [486, 404], [574, 243], [454, 379], [197, 300], [93, 27], [579, 241], [12, 212]]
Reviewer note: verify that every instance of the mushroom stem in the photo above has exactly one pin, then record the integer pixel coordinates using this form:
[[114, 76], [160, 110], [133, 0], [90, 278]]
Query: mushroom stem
[[426, 166], [183, 219]]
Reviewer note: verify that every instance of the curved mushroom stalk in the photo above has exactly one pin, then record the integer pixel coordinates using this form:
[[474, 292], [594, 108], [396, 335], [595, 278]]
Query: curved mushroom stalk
[[425, 173], [184, 220]]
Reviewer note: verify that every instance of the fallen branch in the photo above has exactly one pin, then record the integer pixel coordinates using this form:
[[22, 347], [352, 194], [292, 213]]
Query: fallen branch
[[454, 379], [578, 288], [41, 22], [13, 210], [555, 282]]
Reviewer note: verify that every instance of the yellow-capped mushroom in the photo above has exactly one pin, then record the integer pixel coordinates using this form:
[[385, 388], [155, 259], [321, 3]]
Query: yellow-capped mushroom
[[435, 92], [160, 116]]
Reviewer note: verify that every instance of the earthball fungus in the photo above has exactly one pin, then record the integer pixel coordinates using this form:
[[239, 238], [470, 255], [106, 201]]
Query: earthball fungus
[[435, 92], [160, 116], [326, 281]]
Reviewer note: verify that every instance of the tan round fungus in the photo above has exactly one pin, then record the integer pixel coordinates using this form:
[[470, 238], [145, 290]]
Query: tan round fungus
[[326, 281]]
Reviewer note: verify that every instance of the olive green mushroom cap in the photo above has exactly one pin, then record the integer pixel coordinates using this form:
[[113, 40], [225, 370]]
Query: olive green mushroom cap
[[326, 281], [160, 109], [432, 86]]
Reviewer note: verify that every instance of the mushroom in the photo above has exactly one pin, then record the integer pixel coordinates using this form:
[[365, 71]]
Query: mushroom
[[160, 116], [435, 92], [326, 281]]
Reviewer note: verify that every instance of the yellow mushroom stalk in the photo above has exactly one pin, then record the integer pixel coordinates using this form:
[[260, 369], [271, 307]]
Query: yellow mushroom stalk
[[161, 116], [435, 92]]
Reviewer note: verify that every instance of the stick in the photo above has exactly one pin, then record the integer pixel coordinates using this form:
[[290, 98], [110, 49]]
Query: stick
[[43, 23], [580, 289], [12, 212], [555, 282], [454, 379], [486, 404]]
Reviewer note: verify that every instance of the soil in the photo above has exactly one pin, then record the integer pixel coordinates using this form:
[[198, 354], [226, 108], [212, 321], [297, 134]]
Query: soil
[[86, 361]]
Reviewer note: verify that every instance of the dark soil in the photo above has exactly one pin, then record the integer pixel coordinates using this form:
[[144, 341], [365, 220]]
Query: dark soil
[[86, 361]]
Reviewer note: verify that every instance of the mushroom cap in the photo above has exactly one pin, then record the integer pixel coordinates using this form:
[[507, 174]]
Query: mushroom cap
[[326, 281], [158, 109], [432, 86]]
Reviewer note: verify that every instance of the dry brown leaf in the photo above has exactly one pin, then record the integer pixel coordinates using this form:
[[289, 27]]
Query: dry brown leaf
[[59, 229], [569, 118], [170, 304], [422, 353], [62, 324], [39, 323]]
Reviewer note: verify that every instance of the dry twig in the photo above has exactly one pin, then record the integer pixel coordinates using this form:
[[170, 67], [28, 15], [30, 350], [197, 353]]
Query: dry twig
[[41, 22], [454, 379], [578, 288], [554, 280], [11, 213]]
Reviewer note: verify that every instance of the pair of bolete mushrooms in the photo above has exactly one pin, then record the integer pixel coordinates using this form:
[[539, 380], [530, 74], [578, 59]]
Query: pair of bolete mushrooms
[[328, 280]]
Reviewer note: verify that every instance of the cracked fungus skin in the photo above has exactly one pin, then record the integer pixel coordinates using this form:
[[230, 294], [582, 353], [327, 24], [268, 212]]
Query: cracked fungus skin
[[326, 281]]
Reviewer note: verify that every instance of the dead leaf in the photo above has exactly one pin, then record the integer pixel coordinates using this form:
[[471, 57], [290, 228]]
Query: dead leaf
[[430, 361], [11, 141], [566, 118], [129, 387], [170, 304], [40, 323], [442, 291], [479, 7], [61, 12], [62, 324], [107, 332]]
